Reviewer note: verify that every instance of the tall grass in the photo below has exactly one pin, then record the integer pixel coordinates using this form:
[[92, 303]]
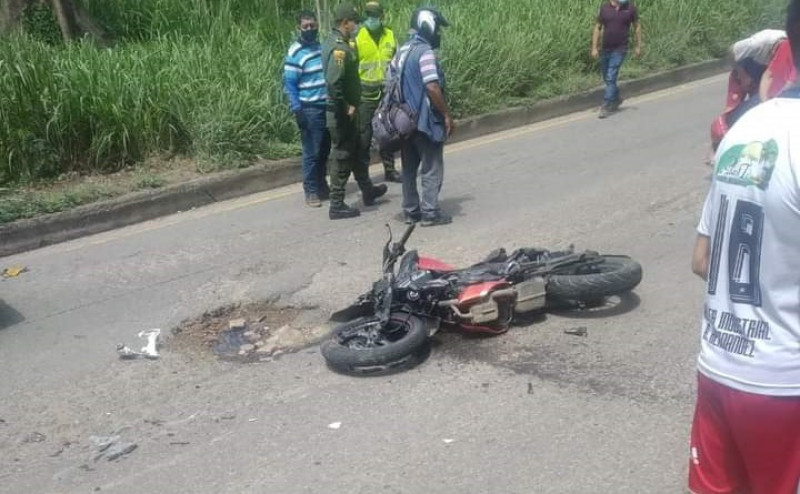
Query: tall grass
[[203, 77]]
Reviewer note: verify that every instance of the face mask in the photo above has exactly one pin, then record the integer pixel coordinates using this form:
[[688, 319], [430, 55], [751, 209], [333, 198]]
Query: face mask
[[309, 36], [373, 24], [355, 31]]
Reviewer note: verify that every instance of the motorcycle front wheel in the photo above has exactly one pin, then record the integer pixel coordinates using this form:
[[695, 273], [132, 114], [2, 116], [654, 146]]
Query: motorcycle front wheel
[[361, 346], [614, 275]]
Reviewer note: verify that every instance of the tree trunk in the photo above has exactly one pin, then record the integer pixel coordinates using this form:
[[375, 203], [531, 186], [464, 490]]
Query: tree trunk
[[73, 20], [65, 14], [10, 14]]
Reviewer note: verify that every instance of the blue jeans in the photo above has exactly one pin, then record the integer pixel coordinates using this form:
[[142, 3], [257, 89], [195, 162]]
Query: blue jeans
[[424, 158], [610, 63], [316, 148]]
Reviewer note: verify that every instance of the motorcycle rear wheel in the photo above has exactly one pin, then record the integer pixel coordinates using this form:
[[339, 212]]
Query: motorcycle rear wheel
[[357, 347], [614, 276]]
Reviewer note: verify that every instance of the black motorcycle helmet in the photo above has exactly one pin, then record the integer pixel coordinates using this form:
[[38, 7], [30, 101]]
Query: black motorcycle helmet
[[427, 22]]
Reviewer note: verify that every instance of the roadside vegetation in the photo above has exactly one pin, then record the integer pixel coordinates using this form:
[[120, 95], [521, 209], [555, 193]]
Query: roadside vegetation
[[201, 79]]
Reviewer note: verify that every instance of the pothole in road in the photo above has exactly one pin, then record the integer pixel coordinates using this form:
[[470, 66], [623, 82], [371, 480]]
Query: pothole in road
[[250, 332]]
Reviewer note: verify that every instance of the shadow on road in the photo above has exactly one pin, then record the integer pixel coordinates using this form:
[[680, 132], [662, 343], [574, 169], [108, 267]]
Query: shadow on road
[[612, 307], [452, 205], [449, 205], [8, 316]]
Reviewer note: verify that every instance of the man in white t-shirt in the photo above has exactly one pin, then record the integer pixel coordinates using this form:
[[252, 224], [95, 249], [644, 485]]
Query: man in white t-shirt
[[746, 430]]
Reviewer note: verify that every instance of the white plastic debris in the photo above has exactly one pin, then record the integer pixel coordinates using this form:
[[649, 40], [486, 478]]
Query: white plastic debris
[[335, 426], [448, 441], [150, 350]]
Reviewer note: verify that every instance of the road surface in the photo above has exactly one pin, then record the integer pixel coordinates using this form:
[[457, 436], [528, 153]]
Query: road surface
[[535, 410]]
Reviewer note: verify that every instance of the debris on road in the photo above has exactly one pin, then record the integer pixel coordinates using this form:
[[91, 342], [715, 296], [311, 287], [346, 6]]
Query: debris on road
[[14, 271], [579, 331], [150, 350], [335, 426], [34, 437], [236, 324], [530, 388], [64, 446], [119, 450], [448, 441], [102, 443], [111, 447]]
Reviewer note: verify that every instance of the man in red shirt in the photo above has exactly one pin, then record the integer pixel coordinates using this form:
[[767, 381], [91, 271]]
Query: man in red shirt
[[614, 21]]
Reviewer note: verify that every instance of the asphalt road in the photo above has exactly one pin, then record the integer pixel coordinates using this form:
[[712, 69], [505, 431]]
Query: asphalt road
[[535, 410]]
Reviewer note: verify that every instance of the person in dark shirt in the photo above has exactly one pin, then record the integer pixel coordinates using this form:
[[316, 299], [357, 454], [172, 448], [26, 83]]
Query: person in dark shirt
[[614, 21]]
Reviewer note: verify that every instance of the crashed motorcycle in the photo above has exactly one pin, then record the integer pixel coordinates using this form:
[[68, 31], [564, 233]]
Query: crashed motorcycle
[[390, 326]]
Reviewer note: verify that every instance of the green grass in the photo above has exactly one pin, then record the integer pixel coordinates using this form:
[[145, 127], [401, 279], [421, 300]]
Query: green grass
[[202, 78], [72, 191]]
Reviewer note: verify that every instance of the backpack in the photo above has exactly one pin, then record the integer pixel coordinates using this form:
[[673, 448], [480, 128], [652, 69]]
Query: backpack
[[394, 121]]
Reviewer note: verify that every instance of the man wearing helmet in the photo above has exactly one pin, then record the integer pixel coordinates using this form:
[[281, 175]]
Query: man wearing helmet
[[423, 88]]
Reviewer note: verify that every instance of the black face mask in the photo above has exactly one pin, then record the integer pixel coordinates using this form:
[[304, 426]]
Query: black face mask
[[309, 36]]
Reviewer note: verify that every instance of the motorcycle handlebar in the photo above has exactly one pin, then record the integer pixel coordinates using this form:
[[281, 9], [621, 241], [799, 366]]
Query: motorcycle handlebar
[[406, 235]]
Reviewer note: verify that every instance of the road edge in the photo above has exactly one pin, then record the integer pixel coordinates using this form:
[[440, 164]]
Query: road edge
[[34, 233]]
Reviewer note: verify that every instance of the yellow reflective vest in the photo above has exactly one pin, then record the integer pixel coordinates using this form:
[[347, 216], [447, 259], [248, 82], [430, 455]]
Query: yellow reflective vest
[[373, 58]]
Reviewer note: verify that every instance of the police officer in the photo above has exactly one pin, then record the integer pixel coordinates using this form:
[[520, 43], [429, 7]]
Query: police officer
[[375, 45], [340, 64]]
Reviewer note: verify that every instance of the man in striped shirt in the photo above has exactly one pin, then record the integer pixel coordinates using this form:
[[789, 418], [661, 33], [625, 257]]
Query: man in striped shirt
[[304, 84]]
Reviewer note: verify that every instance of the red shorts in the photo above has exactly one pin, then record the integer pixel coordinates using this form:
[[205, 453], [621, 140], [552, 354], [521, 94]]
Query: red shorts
[[743, 442]]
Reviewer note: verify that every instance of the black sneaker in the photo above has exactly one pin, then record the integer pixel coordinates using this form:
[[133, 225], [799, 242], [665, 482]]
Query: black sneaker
[[392, 176], [439, 219], [342, 211], [614, 106], [375, 192], [411, 218]]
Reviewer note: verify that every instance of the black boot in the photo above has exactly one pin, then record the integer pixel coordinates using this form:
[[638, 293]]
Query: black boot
[[369, 195], [392, 176], [342, 211]]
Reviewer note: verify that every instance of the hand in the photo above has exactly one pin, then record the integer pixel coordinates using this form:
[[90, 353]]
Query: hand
[[595, 53], [300, 119], [351, 111], [637, 52], [449, 125]]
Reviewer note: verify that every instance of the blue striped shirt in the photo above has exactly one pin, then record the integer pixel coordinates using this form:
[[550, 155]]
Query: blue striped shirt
[[303, 78]]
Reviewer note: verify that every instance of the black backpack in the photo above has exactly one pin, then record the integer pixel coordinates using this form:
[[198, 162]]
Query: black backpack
[[394, 121]]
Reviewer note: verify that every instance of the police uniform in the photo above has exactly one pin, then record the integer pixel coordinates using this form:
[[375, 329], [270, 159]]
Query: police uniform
[[340, 64]]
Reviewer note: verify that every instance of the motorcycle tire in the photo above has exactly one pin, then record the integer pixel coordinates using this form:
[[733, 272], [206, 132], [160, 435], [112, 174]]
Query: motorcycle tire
[[355, 355], [614, 276]]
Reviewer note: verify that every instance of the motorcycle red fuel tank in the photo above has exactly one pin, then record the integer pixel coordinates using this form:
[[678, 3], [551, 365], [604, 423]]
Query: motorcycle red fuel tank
[[431, 264]]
